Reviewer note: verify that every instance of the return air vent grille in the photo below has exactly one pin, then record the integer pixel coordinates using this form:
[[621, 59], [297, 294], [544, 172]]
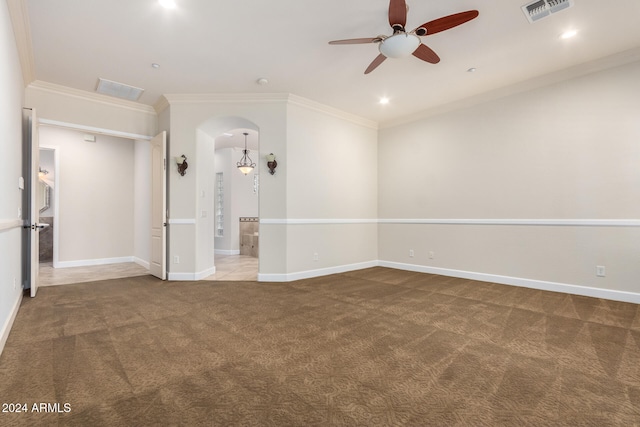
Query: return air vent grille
[[542, 8], [119, 90]]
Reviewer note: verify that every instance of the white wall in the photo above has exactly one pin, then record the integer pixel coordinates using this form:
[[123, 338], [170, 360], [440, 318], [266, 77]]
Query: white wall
[[11, 102], [566, 153], [96, 193]]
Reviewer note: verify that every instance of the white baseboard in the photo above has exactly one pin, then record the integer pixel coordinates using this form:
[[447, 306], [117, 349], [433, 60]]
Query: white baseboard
[[142, 263], [226, 252], [89, 262], [288, 277], [191, 276], [6, 328], [522, 282]]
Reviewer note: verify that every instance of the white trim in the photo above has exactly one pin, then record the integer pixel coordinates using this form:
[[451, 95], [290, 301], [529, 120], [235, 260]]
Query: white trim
[[161, 105], [319, 221], [182, 221], [8, 224], [521, 282], [22, 33], [529, 222], [92, 129], [226, 251], [260, 98], [206, 273], [459, 221], [190, 277], [565, 288], [226, 98], [6, 328], [288, 277], [330, 111], [141, 262], [92, 96], [98, 261]]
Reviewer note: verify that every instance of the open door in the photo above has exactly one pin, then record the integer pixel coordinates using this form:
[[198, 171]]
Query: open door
[[157, 266], [31, 206]]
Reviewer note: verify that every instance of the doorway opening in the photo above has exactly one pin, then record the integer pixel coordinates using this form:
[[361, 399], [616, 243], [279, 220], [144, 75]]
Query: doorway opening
[[236, 233]]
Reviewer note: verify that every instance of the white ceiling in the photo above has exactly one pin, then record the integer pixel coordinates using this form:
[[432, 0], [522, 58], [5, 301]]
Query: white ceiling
[[225, 46]]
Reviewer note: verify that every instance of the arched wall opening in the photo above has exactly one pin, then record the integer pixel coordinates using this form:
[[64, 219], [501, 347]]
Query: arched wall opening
[[233, 226]]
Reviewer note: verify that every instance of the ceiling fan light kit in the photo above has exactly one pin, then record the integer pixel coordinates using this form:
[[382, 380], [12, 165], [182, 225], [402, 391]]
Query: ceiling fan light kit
[[399, 45], [402, 43]]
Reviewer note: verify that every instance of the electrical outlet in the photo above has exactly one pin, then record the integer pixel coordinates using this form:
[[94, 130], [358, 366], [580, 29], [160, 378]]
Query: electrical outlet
[[316, 257], [411, 253], [14, 283], [601, 271], [176, 259], [432, 255]]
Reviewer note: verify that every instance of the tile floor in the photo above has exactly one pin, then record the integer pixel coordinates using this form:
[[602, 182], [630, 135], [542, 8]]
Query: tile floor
[[228, 267]]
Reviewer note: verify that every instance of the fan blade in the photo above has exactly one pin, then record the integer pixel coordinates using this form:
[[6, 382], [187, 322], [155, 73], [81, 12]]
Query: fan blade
[[379, 60], [425, 53], [446, 22], [356, 41], [397, 14]]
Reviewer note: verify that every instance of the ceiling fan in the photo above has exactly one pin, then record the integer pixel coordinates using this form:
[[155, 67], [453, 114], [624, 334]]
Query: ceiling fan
[[402, 43]]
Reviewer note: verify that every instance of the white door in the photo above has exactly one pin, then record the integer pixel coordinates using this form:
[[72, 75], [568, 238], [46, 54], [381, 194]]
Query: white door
[[157, 266], [32, 226]]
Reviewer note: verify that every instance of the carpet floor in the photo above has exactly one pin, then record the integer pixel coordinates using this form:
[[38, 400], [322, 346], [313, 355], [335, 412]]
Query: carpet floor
[[374, 347]]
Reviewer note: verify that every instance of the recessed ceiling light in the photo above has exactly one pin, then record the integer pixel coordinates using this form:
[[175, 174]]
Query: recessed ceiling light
[[154, 65], [167, 4], [262, 81], [568, 34], [384, 100], [472, 70]]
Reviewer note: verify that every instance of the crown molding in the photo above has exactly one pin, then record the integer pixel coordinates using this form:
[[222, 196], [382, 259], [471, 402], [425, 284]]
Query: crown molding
[[42, 86], [266, 98], [225, 98], [161, 104], [601, 64], [313, 105], [22, 33]]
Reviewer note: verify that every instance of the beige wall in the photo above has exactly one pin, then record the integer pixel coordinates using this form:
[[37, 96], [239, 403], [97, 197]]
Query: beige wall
[[96, 195], [11, 102], [117, 117], [565, 153], [331, 192], [191, 239], [315, 180]]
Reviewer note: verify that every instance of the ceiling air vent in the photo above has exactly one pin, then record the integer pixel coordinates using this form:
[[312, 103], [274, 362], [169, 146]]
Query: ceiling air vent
[[541, 8], [119, 90]]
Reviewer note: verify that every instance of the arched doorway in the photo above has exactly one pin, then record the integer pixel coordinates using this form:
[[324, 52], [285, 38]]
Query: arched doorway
[[235, 197]]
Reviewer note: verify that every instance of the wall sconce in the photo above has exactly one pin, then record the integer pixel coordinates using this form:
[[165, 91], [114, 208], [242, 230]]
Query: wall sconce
[[182, 164], [271, 163]]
